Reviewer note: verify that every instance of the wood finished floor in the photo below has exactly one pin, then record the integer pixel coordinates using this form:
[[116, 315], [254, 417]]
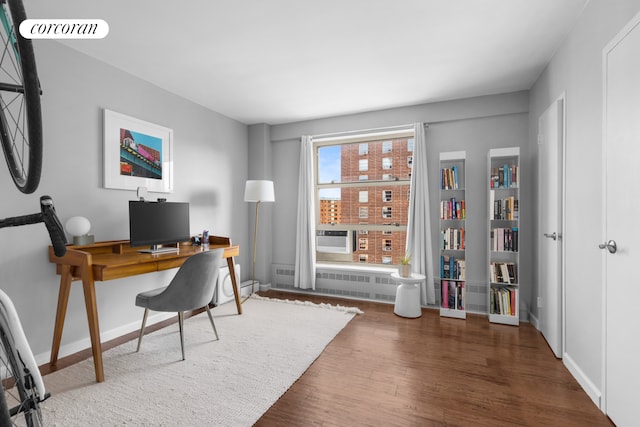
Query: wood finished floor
[[385, 370]]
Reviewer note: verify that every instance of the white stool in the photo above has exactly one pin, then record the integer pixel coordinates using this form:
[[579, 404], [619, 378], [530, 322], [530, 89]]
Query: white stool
[[408, 295]]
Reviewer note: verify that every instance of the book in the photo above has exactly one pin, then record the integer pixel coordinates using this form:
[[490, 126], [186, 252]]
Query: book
[[452, 295], [445, 294], [512, 299], [462, 269]]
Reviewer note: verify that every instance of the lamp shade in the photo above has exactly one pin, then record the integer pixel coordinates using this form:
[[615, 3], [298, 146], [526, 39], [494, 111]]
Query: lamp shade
[[259, 191], [77, 226]]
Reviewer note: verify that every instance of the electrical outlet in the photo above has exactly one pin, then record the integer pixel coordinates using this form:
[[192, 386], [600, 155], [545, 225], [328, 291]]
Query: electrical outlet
[[539, 302]]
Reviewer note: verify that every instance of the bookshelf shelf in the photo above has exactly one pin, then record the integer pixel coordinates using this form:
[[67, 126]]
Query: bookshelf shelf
[[504, 235], [453, 214]]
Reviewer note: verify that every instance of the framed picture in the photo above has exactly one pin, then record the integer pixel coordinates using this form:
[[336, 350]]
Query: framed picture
[[137, 154]]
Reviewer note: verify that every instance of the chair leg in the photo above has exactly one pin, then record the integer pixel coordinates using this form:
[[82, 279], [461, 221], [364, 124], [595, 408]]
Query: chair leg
[[215, 331], [144, 322], [181, 324]]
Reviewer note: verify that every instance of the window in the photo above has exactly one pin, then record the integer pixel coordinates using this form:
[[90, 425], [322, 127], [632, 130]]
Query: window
[[387, 146], [347, 179], [410, 142], [363, 244]]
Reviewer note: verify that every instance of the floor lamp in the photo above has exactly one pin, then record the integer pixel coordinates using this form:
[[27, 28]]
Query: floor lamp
[[257, 191]]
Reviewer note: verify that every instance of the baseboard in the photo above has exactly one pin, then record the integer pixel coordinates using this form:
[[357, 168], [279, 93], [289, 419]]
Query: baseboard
[[85, 343], [587, 385]]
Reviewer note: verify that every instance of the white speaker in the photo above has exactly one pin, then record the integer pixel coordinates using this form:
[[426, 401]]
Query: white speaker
[[224, 287]]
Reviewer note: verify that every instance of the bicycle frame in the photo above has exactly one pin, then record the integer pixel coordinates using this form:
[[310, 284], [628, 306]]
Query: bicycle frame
[[10, 323]]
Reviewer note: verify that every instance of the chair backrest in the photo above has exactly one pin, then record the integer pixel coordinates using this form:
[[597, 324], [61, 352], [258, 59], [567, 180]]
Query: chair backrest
[[193, 285]]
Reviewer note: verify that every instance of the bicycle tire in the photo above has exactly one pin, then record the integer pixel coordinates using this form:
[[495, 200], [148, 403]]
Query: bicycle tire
[[20, 110], [20, 399]]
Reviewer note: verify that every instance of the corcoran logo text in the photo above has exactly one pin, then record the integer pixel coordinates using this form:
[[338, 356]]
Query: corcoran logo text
[[64, 29]]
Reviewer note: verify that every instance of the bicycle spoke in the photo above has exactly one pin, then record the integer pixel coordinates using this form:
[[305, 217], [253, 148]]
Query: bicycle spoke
[[20, 117], [8, 54], [21, 401], [17, 130]]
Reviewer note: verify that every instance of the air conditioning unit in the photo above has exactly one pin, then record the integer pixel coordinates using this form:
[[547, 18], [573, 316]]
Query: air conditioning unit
[[334, 242]]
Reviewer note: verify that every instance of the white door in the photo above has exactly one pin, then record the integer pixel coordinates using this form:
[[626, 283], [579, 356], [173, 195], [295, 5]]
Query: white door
[[621, 234], [550, 150]]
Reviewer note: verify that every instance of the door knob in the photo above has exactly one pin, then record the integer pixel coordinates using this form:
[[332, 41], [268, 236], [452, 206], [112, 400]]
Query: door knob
[[553, 235], [610, 246]]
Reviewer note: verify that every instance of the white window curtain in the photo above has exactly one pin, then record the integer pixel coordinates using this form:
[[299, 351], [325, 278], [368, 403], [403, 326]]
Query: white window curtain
[[418, 227], [305, 266]]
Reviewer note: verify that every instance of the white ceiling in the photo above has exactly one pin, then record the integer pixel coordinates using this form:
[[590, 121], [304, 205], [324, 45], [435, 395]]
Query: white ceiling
[[277, 61]]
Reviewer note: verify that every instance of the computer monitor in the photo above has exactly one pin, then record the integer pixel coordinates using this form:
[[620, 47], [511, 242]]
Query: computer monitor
[[158, 223]]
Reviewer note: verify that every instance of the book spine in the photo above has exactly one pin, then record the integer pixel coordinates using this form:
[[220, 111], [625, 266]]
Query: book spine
[[445, 294]]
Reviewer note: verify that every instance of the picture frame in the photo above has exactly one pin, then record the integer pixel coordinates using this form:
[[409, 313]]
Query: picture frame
[[137, 153]]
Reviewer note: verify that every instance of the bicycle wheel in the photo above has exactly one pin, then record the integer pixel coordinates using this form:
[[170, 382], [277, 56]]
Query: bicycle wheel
[[20, 114], [20, 396]]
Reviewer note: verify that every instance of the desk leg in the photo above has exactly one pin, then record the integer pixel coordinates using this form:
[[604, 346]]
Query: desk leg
[[236, 288], [61, 312], [89, 289]]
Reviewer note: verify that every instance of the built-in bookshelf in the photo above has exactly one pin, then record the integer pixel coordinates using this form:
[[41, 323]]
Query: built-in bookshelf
[[453, 213], [504, 235]]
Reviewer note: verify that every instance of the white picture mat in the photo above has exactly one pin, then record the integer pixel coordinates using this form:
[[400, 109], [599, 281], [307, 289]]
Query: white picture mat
[[113, 122]]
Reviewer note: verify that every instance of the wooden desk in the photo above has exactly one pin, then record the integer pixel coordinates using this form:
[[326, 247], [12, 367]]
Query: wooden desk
[[114, 260]]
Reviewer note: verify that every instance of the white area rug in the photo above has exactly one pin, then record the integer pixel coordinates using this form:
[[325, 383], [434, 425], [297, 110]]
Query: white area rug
[[230, 382]]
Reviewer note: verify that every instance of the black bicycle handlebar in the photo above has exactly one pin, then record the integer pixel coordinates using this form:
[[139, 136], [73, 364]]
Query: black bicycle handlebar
[[49, 217]]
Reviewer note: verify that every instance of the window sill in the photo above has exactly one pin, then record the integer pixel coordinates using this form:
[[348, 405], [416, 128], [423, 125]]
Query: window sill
[[359, 268]]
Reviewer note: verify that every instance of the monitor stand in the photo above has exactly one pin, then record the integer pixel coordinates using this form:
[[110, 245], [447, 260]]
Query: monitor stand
[[155, 249]]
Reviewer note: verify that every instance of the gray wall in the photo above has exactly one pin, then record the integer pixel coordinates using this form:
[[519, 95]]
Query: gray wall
[[474, 125], [577, 70], [211, 154]]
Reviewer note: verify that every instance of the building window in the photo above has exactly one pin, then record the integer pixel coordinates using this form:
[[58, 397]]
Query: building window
[[341, 178], [387, 163], [410, 143], [363, 244], [387, 146]]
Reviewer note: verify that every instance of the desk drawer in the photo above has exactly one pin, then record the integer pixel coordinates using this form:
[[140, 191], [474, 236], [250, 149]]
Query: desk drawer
[[124, 271], [170, 263]]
